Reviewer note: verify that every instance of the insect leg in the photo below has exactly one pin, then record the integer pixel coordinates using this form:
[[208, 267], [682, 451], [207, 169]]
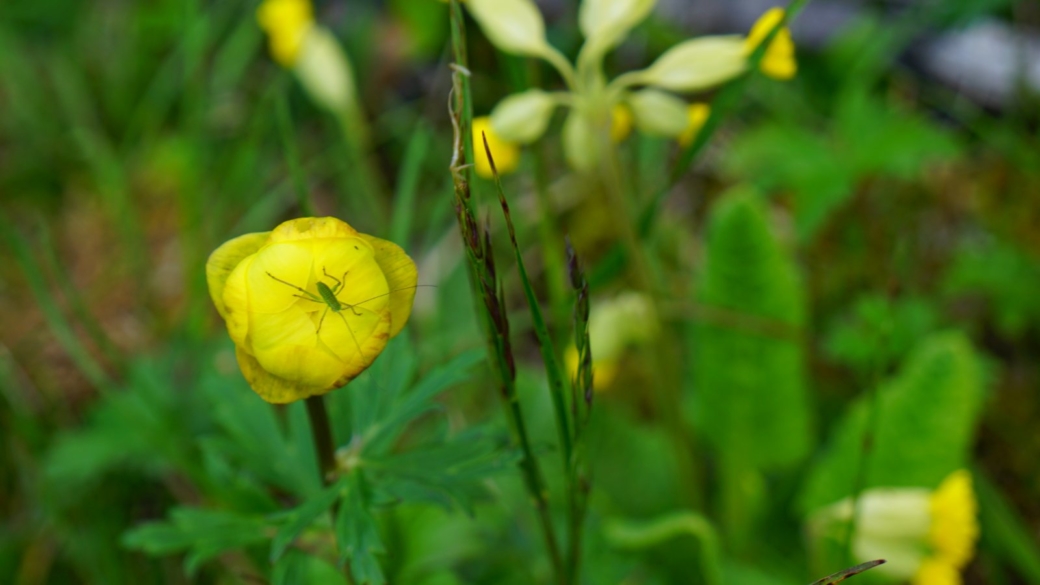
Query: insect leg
[[308, 295], [356, 344], [322, 320]]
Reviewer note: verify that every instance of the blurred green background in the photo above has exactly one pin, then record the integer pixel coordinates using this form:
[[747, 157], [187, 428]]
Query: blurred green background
[[862, 239]]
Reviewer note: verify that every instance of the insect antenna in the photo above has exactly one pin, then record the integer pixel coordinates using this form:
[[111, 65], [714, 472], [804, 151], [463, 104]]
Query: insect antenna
[[392, 292]]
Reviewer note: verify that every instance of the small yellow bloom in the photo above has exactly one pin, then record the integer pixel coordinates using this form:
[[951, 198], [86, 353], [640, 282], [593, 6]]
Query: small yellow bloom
[[697, 114], [779, 61], [927, 536], [620, 123], [309, 304], [615, 324], [506, 154], [954, 528], [286, 23]]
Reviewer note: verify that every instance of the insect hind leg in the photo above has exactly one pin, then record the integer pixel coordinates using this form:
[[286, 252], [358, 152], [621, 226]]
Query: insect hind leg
[[350, 329]]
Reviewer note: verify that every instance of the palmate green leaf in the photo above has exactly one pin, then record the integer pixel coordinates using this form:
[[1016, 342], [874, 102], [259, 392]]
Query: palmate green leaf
[[357, 534], [303, 516], [419, 400], [925, 425], [750, 398], [444, 471], [297, 568], [203, 534]]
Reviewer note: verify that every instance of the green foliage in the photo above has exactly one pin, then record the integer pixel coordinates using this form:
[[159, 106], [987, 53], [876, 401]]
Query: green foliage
[[750, 395], [921, 429], [878, 331], [1005, 278], [203, 533]]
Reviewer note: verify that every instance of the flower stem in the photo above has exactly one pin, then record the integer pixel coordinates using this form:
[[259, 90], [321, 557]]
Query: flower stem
[[321, 432]]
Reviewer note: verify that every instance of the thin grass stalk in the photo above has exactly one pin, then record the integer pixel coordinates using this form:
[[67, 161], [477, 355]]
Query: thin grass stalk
[[553, 369], [582, 394], [484, 284], [292, 157]]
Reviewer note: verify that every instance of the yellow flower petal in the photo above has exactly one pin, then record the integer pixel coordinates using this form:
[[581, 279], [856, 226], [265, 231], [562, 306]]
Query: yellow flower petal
[[506, 154], [620, 123], [270, 387], [697, 115], [356, 337], [276, 274], [224, 259], [954, 527], [779, 61], [236, 302], [936, 572], [286, 23], [401, 278], [310, 228]]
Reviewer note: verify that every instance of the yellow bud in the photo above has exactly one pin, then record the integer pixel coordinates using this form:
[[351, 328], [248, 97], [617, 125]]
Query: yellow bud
[[620, 123], [523, 117], [697, 64], [310, 304], [779, 60], [658, 113], [505, 153], [286, 23], [696, 115]]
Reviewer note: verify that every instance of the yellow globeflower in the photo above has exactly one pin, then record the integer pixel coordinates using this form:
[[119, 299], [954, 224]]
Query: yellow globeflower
[[779, 61], [698, 115], [927, 537], [506, 154], [286, 23], [309, 304]]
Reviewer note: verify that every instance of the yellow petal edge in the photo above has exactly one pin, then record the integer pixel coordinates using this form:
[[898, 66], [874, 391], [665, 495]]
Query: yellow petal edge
[[224, 259]]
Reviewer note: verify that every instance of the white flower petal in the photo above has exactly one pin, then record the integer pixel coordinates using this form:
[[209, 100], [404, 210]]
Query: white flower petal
[[605, 23], [658, 113], [515, 26], [697, 64], [523, 117], [325, 72]]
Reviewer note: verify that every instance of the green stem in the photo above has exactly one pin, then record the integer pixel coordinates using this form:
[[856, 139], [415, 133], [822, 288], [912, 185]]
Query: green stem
[[667, 400], [321, 433]]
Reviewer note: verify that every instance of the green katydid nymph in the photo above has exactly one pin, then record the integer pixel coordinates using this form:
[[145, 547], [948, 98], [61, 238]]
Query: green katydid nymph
[[327, 296]]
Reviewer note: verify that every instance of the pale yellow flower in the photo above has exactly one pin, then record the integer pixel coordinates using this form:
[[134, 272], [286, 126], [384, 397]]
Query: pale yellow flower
[[926, 536], [309, 304], [505, 153], [779, 60], [697, 115], [615, 325], [647, 95]]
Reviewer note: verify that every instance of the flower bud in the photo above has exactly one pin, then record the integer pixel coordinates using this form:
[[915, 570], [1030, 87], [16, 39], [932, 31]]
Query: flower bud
[[658, 113], [515, 26], [325, 72], [310, 304], [523, 117], [778, 61], [697, 64]]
